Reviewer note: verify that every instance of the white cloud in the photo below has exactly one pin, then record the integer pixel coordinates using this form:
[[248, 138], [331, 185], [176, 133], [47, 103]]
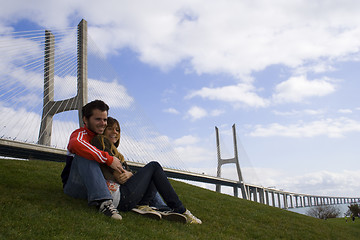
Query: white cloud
[[298, 89], [149, 146], [333, 128], [194, 154], [300, 112], [195, 113], [217, 112], [243, 94], [171, 110], [345, 111], [49, 13], [13, 74], [29, 100], [186, 140], [62, 130], [242, 38], [345, 183], [25, 125], [114, 94], [316, 67], [314, 112], [65, 87]]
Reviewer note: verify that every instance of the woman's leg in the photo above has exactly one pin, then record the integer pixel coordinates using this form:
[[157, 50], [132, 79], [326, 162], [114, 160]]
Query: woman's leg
[[142, 187], [159, 203], [133, 191]]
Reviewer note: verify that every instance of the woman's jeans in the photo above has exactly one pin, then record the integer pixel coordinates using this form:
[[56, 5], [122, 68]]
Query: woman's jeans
[[86, 181], [142, 187], [159, 203]]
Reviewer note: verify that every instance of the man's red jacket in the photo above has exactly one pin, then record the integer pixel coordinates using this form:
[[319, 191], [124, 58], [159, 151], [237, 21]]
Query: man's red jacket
[[79, 144]]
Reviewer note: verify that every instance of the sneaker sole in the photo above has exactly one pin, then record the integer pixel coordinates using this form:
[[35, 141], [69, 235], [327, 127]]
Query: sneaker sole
[[174, 217], [152, 215]]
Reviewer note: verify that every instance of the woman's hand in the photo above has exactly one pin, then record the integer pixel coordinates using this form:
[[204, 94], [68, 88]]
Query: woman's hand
[[122, 177]]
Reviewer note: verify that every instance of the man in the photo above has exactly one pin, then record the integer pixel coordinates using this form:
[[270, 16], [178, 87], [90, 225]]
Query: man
[[82, 177]]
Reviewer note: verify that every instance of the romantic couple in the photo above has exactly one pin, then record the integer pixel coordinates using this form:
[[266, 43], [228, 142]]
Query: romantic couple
[[96, 171]]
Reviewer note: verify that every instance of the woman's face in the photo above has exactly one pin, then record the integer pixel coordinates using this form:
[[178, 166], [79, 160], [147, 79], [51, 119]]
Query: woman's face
[[112, 133]]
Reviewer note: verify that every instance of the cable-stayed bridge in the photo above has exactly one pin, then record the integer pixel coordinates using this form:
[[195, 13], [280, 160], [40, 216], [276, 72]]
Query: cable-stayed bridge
[[47, 76]]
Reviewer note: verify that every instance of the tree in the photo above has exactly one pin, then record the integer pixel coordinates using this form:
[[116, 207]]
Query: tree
[[354, 210], [324, 212]]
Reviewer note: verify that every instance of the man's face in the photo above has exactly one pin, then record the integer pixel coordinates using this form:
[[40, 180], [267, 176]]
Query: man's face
[[97, 122]]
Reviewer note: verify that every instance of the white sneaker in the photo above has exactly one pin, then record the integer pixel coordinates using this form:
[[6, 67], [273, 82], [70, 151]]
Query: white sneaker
[[147, 211], [108, 209], [191, 218]]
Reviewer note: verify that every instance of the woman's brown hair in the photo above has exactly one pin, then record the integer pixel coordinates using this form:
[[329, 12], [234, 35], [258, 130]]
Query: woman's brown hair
[[110, 123]]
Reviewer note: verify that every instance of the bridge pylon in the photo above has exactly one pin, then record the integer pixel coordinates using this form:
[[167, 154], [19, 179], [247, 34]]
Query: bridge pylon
[[51, 107], [234, 160]]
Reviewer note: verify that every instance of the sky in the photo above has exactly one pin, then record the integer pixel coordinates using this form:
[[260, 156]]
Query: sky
[[286, 73]]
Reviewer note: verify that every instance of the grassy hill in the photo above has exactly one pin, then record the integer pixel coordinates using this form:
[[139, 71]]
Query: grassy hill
[[33, 206]]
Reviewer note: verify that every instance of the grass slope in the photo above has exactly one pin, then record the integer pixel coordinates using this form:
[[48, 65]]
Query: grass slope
[[33, 206]]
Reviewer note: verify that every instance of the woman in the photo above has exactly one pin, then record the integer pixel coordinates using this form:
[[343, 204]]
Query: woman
[[138, 189]]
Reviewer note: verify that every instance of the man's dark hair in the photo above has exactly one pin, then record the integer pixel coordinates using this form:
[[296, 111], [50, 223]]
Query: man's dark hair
[[87, 110]]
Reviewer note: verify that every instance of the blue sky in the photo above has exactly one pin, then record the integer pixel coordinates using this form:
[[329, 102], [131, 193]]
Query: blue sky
[[285, 72]]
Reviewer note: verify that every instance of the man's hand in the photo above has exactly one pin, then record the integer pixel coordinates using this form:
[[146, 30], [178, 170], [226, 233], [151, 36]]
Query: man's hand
[[117, 166], [122, 177]]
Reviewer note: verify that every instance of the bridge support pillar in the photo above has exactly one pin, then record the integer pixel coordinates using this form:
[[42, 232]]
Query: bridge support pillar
[[236, 192], [291, 201], [261, 196], [286, 206], [255, 194], [235, 160], [273, 199], [267, 197], [51, 107], [48, 98], [279, 200]]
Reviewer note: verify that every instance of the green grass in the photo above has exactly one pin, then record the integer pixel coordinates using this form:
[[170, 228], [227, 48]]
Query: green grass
[[33, 206]]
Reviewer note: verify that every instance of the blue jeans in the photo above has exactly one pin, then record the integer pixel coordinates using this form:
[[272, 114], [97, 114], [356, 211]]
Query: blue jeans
[[86, 181], [141, 188], [159, 203]]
